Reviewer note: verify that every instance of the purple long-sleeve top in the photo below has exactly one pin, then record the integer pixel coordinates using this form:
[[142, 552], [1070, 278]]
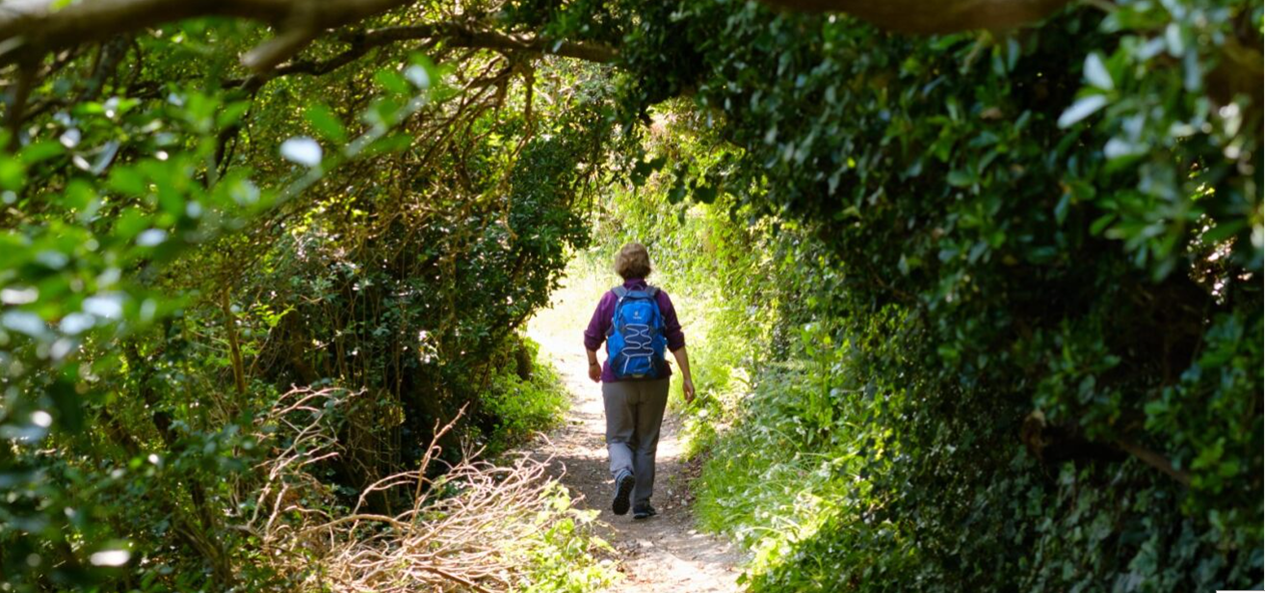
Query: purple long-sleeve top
[[600, 325]]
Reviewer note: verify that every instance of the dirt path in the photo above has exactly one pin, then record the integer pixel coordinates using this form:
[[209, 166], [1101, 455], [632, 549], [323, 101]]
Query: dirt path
[[665, 553]]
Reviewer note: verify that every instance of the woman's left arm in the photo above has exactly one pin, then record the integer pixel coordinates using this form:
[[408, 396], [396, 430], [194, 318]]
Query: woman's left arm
[[687, 383], [676, 344]]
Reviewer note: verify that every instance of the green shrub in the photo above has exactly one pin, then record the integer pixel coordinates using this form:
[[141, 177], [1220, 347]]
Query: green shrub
[[1030, 268], [564, 557], [170, 263], [520, 407]]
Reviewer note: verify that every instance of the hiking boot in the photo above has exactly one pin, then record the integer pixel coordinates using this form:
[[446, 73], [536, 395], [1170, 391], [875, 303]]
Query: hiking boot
[[623, 489], [644, 511]]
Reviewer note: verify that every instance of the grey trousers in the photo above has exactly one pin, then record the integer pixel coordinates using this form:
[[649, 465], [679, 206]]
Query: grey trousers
[[634, 411]]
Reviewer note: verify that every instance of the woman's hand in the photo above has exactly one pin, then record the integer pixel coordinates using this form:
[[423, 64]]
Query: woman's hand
[[687, 388], [595, 372]]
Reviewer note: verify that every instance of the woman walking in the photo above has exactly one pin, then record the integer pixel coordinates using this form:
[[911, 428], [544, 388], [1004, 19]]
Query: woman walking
[[638, 323]]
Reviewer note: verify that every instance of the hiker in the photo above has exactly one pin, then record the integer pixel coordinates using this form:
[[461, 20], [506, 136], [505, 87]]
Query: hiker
[[638, 323]]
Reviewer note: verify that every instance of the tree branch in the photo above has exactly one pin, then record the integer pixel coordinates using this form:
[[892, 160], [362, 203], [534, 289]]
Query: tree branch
[[460, 36], [1155, 460], [17, 104], [1239, 71], [36, 25], [361, 43], [453, 35], [941, 16], [1055, 444]]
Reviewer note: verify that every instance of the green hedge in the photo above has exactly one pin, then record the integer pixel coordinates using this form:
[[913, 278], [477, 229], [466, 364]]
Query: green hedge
[[1031, 262]]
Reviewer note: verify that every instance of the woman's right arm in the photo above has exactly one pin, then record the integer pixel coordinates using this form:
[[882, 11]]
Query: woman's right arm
[[595, 368], [595, 334]]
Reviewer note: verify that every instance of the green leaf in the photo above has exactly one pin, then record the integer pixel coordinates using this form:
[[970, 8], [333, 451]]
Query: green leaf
[[130, 224], [1224, 230], [1060, 209], [79, 194], [387, 144], [392, 81], [1096, 72], [959, 178], [41, 151], [127, 181], [12, 174], [232, 113], [302, 150], [326, 124], [1100, 223], [171, 201], [1081, 109]]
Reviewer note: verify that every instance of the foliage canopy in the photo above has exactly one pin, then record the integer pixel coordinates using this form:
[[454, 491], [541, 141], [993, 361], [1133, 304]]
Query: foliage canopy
[[1010, 281]]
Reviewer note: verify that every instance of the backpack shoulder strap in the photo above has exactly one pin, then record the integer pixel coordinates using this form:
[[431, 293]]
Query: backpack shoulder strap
[[620, 291], [654, 298]]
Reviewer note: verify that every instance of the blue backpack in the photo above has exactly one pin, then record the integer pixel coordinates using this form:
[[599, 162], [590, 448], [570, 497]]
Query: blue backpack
[[635, 342]]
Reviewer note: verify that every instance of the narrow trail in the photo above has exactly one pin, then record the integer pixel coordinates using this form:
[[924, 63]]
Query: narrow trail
[[663, 554]]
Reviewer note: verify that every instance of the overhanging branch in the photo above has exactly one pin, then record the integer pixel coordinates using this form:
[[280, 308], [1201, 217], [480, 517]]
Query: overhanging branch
[[941, 16], [361, 43], [1239, 70], [453, 35], [35, 26], [38, 26]]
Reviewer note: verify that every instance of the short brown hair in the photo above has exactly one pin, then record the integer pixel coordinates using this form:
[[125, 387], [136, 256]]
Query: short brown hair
[[632, 261]]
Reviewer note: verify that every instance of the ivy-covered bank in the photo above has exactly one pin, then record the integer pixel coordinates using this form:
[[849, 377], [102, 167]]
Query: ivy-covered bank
[[984, 310]]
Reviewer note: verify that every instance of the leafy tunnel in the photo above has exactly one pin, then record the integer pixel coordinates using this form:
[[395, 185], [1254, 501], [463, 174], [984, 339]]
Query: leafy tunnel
[[977, 286]]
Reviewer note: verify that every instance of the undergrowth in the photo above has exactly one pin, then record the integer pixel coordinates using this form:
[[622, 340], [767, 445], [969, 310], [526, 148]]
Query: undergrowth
[[564, 555], [522, 399]]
